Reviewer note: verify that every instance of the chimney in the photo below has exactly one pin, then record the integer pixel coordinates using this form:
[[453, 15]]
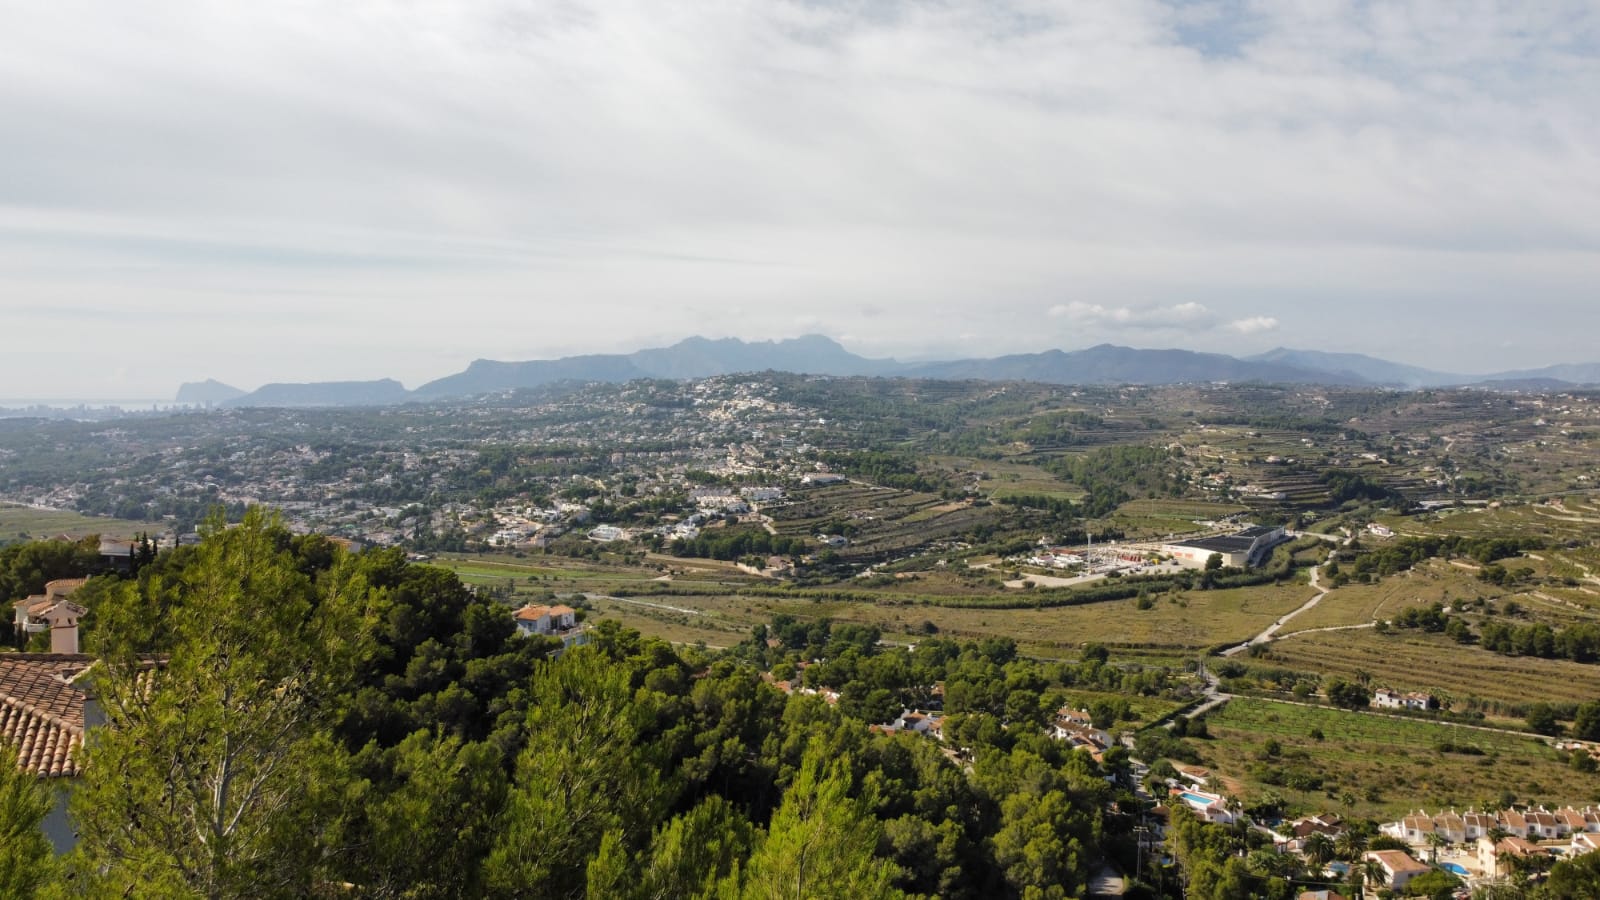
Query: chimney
[[64, 636], [63, 619]]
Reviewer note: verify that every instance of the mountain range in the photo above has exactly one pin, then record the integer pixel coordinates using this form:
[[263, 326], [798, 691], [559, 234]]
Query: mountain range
[[699, 357]]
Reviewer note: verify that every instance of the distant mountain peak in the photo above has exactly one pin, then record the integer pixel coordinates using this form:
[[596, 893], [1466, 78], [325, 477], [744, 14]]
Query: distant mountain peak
[[698, 356], [207, 393]]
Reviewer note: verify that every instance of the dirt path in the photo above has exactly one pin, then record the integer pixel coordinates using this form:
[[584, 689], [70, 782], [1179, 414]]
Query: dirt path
[[1272, 630], [677, 609], [1378, 715], [1328, 628]]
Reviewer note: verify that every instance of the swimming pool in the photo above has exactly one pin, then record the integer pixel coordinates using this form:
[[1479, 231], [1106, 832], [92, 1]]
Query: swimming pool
[[1454, 869], [1196, 799]]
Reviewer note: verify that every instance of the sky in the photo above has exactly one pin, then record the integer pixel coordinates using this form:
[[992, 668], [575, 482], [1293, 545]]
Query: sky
[[299, 191]]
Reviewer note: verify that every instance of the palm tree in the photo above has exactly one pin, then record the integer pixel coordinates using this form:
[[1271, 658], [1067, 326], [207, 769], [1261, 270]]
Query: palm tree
[[1350, 845], [1374, 872], [1435, 841], [1319, 849]]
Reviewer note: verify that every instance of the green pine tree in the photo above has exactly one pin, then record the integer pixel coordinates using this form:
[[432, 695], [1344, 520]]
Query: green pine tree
[[822, 841]]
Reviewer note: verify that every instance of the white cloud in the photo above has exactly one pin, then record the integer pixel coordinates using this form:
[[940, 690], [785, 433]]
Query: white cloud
[[1081, 313], [1254, 324], [585, 175]]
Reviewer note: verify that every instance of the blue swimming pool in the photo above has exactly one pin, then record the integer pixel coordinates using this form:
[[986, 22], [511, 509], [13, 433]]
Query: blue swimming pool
[[1196, 799], [1454, 869]]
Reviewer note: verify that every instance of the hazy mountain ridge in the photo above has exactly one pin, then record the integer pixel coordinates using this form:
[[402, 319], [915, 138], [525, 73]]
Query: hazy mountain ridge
[[694, 357], [208, 392], [1361, 366], [383, 392], [1110, 364], [699, 357]]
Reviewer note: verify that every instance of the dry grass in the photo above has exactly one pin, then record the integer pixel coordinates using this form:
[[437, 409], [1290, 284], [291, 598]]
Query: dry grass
[[1383, 767], [24, 523], [1432, 662], [1191, 621]]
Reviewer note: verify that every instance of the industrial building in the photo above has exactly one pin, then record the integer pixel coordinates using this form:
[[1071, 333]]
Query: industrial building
[[1242, 550]]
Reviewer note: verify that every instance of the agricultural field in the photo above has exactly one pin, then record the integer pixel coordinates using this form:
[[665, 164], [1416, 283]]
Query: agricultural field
[[1151, 518], [881, 523], [1360, 604], [1004, 478], [1465, 675], [20, 523], [1379, 767], [1179, 625]]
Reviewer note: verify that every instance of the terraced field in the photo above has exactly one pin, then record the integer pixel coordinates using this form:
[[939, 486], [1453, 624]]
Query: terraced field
[[885, 523], [1432, 662]]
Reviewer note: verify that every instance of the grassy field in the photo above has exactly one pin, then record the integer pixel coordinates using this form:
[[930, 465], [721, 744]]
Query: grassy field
[[1356, 604], [1010, 479], [1181, 624], [25, 523], [1432, 662], [1149, 518], [1379, 767]]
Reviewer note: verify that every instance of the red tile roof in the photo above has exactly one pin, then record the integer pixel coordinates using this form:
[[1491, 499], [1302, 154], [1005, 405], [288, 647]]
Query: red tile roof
[[41, 710], [1397, 861]]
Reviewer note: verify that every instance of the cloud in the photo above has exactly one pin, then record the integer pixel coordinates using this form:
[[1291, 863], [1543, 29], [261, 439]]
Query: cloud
[[587, 174], [1081, 313], [1254, 325]]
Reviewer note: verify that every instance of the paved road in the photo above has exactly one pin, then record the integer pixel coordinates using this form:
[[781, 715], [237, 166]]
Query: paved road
[[1107, 883]]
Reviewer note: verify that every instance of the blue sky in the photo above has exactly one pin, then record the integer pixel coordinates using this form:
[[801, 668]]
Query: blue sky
[[308, 191]]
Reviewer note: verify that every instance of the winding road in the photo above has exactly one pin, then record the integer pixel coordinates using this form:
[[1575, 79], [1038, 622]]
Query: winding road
[[1271, 631]]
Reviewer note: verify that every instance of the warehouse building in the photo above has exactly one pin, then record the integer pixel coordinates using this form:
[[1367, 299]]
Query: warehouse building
[[1243, 550]]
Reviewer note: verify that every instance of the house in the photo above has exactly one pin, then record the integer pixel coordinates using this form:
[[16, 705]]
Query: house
[[1327, 823], [551, 621], [1476, 824], [1415, 828], [1584, 842], [1320, 895], [1512, 822], [45, 706], [1211, 807], [1451, 827], [1572, 820], [1383, 698], [1497, 859], [920, 723], [1398, 867], [1544, 825], [605, 534], [117, 555], [51, 611]]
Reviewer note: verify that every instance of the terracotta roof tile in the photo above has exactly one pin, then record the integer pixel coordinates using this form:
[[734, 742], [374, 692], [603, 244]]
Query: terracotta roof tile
[[41, 710]]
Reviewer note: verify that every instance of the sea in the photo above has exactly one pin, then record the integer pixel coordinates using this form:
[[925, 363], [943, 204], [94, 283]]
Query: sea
[[72, 408]]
